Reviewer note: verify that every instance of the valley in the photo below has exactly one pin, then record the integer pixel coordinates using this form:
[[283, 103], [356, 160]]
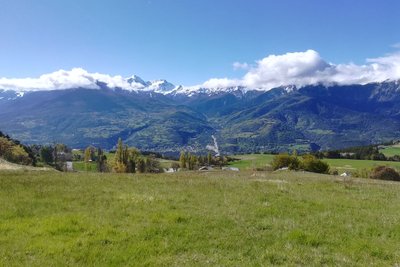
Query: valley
[[308, 118]]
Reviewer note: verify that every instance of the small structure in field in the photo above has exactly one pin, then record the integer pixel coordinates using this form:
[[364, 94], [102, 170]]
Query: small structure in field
[[69, 166], [235, 169], [206, 168], [170, 170]]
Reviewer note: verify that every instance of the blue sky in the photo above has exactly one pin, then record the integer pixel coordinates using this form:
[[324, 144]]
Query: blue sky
[[187, 42]]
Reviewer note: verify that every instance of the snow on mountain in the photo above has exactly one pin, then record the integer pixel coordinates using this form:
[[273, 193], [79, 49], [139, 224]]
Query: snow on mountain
[[160, 86], [134, 79], [198, 90], [80, 78]]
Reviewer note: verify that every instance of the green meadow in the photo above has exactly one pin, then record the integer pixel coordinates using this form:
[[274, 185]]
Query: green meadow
[[216, 218], [253, 161], [390, 151]]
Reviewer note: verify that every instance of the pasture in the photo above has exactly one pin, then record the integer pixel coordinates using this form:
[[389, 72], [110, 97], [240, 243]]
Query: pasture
[[197, 219]]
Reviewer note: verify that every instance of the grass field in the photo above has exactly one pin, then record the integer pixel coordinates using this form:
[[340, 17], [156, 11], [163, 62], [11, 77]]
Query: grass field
[[352, 164], [390, 151], [197, 219], [85, 166], [252, 161]]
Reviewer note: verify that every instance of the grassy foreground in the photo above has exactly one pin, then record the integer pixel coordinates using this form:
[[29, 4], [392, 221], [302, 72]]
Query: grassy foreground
[[186, 219]]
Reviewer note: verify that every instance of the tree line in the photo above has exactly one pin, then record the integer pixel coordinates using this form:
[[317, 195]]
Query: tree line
[[188, 161], [369, 152]]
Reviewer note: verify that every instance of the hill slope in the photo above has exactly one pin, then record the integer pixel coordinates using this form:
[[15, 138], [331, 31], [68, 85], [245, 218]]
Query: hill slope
[[212, 218]]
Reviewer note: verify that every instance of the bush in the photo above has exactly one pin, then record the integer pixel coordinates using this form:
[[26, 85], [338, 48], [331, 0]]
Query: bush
[[119, 167], [312, 164], [285, 160], [13, 152], [385, 173]]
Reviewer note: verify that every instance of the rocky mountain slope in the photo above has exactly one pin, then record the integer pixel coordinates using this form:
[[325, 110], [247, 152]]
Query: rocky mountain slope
[[162, 117]]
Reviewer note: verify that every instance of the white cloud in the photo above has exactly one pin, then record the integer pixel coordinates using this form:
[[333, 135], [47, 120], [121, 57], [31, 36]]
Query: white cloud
[[298, 68], [220, 83], [396, 45], [306, 68], [240, 66], [63, 79]]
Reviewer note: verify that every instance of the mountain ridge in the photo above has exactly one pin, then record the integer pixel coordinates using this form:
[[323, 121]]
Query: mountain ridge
[[242, 120]]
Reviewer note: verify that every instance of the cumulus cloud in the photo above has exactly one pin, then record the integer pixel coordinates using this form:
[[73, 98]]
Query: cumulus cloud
[[396, 45], [240, 66], [297, 68], [221, 83], [307, 68], [62, 79]]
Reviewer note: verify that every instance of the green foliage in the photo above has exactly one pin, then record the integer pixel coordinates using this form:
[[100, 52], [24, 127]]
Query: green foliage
[[385, 173], [285, 161], [209, 158], [13, 152], [308, 163], [312, 164], [119, 167], [89, 154], [47, 155], [141, 165], [182, 160], [101, 161], [119, 154], [175, 166], [18, 155]]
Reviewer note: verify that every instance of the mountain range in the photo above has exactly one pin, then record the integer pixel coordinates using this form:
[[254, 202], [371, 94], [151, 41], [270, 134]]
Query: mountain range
[[159, 116]]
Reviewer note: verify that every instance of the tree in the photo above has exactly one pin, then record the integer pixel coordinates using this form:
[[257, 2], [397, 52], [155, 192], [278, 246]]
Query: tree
[[312, 164], [209, 158], [17, 154], [182, 160], [46, 154], [385, 173], [120, 157], [192, 162], [285, 160], [87, 155], [12, 150], [132, 156], [152, 164], [119, 153], [101, 161], [5, 146], [141, 165], [131, 166]]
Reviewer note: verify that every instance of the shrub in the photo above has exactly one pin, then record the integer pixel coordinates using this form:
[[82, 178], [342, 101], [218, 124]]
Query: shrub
[[13, 152], [285, 160], [312, 164], [119, 167], [385, 173]]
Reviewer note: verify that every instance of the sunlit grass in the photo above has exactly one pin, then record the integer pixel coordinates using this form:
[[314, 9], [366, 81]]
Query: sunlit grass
[[193, 218]]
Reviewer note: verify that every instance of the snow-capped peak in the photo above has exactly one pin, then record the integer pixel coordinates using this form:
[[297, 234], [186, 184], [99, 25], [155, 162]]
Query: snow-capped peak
[[161, 86], [136, 79]]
